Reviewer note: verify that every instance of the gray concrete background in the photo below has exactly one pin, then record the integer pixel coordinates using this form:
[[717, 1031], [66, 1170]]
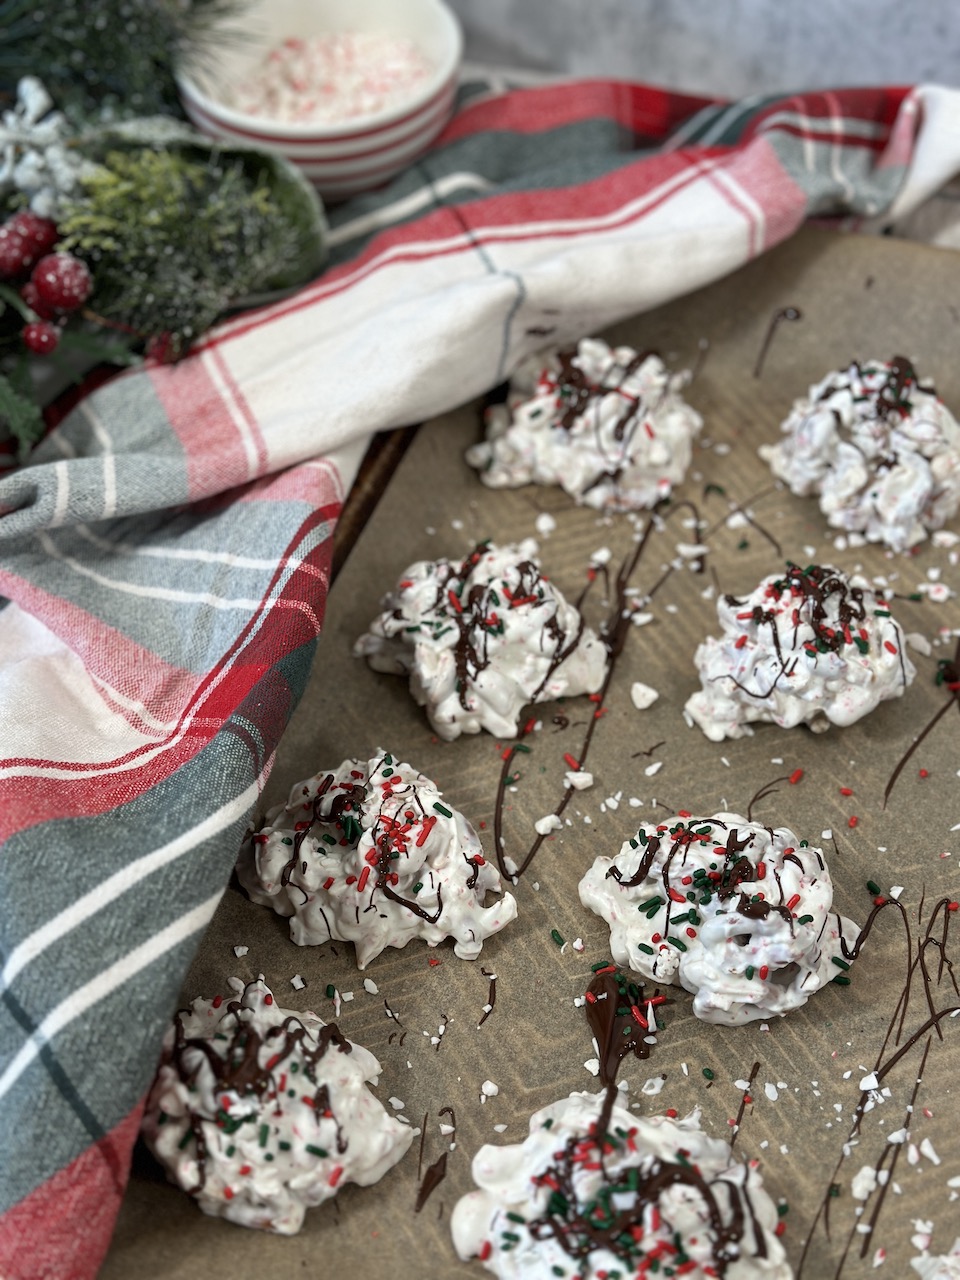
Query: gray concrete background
[[724, 48]]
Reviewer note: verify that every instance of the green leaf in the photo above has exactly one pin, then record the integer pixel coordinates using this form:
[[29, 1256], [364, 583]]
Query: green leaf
[[22, 415], [106, 348], [13, 298]]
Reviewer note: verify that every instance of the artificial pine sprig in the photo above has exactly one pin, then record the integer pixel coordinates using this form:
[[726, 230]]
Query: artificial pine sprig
[[176, 235], [113, 56]]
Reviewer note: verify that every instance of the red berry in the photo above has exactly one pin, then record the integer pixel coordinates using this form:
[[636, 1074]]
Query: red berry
[[33, 300], [15, 255], [41, 234], [63, 281], [41, 337]]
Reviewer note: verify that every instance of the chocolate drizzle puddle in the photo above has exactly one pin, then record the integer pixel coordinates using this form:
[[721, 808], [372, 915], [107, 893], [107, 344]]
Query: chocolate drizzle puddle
[[613, 635], [431, 1180], [948, 675], [785, 313], [615, 1219], [898, 1042], [491, 996]]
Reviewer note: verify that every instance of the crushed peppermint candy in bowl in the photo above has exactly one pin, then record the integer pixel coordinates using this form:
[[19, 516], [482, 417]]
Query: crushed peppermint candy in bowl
[[352, 91]]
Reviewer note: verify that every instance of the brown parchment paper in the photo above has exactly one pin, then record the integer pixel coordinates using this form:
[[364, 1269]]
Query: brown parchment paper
[[860, 297]]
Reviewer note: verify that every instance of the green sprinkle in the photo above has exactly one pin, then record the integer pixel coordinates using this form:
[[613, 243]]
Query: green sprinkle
[[294, 1067], [834, 1190], [511, 1236], [841, 964], [316, 1151], [841, 981], [386, 773], [388, 758], [805, 920], [329, 839], [521, 747], [708, 1074], [440, 808], [185, 1139], [286, 840], [548, 1124], [263, 1135], [284, 1146], [517, 1217], [230, 1151], [417, 887], [642, 946], [650, 902], [749, 971], [603, 964], [331, 990], [873, 887], [783, 1209], [681, 946], [558, 937], [557, 1271]]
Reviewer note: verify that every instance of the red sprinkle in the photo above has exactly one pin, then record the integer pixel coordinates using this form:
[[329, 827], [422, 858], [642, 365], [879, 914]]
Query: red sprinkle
[[638, 1018], [228, 1193], [780, 1228], [590, 997], [485, 1250], [761, 870], [336, 1175], [846, 791], [924, 773], [795, 777], [890, 646], [328, 882], [529, 726], [672, 1115], [573, 763], [953, 906], [217, 1001], [362, 882], [455, 601], [793, 902], [684, 813], [433, 962], [595, 697], [852, 820], [268, 999], [764, 971], [740, 642]]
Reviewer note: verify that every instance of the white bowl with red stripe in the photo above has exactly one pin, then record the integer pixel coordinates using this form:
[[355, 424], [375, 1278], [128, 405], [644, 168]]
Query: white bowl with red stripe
[[360, 153]]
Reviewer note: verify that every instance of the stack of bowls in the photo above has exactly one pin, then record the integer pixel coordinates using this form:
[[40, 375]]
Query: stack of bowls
[[359, 154]]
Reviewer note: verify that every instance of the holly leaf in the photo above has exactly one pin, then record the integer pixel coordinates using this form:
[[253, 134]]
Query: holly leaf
[[21, 415]]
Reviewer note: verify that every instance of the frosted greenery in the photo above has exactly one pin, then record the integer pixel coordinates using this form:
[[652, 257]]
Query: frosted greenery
[[174, 239], [108, 55]]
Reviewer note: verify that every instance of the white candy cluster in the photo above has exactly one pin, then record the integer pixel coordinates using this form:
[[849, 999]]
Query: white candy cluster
[[261, 1113], [369, 853], [809, 646], [608, 425], [680, 1196], [881, 451], [483, 638], [736, 913], [332, 78]]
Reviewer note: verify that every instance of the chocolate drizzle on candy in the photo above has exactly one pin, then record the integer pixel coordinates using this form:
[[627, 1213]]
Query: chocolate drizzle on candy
[[482, 638], [810, 646], [259, 1112], [736, 912], [369, 853]]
